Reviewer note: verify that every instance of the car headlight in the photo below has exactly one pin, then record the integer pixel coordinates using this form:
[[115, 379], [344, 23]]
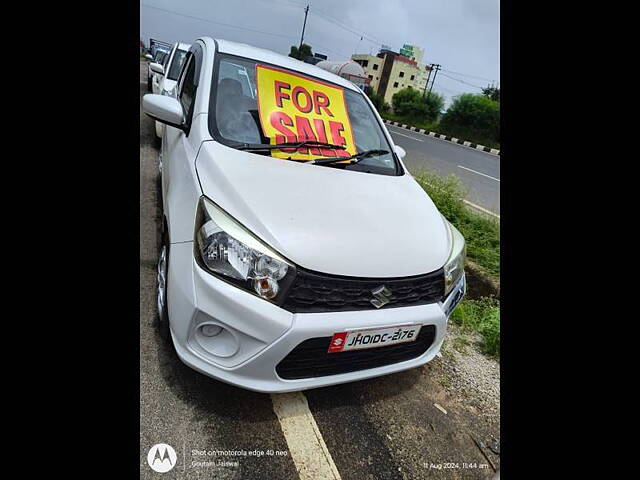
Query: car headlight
[[228, 249], [454, 268]]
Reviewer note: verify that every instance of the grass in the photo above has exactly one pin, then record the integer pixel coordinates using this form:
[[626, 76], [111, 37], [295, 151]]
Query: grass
[[482, 316], [482, 234]]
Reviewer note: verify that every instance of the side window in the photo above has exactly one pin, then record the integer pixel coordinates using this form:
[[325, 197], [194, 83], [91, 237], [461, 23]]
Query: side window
[[188, 88], [165, 61]]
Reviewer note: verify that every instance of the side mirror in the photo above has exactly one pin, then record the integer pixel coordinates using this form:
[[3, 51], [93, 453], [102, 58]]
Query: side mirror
[[148, 56], [164, 109], [156, 67], [401, 152]]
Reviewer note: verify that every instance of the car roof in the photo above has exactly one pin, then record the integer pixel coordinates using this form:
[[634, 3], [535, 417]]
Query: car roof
[[184, 46], [268, 56]]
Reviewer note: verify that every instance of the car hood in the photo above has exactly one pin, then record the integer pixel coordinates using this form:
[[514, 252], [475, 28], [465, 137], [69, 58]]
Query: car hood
[[327, 219]]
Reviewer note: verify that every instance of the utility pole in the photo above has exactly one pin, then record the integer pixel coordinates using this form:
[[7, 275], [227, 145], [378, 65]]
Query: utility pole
[[424, 92], [437, 66], [306, 11]]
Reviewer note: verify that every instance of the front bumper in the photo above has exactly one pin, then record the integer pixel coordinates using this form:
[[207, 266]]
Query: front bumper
[[258, 334]]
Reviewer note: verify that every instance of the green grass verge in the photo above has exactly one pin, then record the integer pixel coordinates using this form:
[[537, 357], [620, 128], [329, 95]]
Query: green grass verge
[[482, 316], [481, 234]]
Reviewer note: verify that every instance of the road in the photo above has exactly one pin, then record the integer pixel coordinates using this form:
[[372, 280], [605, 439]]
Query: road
[[478, 171], [384, 428]]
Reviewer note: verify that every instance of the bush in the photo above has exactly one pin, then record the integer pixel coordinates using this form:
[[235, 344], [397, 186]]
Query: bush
[[410, 103], [482, 235], [482, 316], [475, 118], [302, 53]]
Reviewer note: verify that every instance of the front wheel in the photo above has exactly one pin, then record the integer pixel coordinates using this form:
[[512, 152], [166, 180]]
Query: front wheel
[[163, 275], [148, 83]]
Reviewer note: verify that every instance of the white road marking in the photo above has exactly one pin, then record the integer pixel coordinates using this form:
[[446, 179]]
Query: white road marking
[[480, 173], [433, 135], [482, 209], [308, 450], [408, 136]]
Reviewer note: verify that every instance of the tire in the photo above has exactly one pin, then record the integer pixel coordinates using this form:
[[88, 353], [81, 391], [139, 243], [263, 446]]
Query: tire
[[148, 83], [162, 284], [157, 140]]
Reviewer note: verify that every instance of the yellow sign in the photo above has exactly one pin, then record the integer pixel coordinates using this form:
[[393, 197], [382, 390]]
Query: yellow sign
[[294, 108]]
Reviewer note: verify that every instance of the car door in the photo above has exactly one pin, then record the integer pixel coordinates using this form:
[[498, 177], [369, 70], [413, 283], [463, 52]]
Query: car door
[[180, 186]]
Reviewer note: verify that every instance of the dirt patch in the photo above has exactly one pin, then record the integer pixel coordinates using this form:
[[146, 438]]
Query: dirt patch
[[479, 283]]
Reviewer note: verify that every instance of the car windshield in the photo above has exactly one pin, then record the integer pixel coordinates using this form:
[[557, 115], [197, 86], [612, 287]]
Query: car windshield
[[176, 64], [160, 57], [330, 114]]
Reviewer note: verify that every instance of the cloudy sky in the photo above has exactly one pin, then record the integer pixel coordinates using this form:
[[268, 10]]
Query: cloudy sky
[[461, 35]]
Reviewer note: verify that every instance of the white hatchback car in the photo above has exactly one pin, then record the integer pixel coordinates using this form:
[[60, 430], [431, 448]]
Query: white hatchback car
[[297, 250], [164, 81]]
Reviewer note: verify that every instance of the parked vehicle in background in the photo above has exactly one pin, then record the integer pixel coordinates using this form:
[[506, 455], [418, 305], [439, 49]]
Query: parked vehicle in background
[[165, 83], [153, 69], [155, 45], [297, 250]]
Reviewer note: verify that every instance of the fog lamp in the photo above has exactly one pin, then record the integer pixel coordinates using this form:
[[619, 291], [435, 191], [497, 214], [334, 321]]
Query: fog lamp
[[210, 330]]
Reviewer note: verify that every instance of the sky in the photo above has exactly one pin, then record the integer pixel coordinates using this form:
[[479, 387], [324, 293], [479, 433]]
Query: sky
[[463, 36]]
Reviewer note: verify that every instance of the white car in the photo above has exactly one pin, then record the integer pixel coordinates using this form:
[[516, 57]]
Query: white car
[[153, 68], [290, 261], [164, 82]]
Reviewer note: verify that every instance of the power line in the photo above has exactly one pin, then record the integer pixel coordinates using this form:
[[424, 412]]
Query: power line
[[467, 75], [316, 44], [324, 16], [345, 26], [452, 92], [462, 81], [173, 12]]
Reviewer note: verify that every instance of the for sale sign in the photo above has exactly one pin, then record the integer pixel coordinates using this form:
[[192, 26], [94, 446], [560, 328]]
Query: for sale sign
[[293, 107]]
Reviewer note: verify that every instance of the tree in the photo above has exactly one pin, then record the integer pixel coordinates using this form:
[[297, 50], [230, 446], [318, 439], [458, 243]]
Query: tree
[[473, 117], [491, 92], [302, 53], [410, 103], [378, 101]]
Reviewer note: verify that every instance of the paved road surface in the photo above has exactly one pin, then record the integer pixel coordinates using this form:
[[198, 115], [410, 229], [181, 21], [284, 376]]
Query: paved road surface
[[479, 171], [385, 428]]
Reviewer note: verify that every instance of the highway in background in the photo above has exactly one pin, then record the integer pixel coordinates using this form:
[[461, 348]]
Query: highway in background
[[478, 171]]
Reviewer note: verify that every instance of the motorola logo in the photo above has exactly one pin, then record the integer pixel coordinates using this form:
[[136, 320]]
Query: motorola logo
[[162, 457]]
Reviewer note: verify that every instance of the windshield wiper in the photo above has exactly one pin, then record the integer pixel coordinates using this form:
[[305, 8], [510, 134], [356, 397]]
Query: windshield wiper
[[354, 158], [279, 146]]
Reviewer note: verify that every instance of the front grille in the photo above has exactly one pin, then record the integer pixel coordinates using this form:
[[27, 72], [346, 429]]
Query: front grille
[[319, 292], [310, 359]]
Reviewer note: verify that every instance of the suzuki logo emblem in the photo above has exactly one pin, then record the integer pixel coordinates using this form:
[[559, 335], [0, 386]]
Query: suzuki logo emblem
[[382, 296]]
